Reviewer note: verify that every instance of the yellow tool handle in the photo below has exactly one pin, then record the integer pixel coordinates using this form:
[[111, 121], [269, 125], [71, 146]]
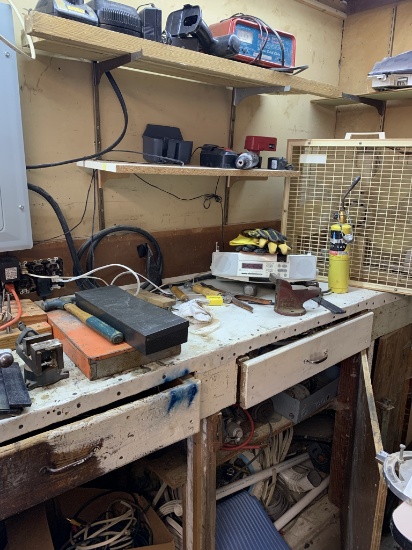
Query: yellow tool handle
[[180, 295], [205, 290], [77, 312]]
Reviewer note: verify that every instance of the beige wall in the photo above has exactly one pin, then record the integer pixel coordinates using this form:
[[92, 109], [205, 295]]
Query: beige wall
[[366, 40], [56, 98]]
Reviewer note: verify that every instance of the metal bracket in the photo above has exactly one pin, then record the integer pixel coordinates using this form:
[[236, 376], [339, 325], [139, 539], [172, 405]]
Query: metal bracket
[[239, 94], [114, 63], [377, 103]]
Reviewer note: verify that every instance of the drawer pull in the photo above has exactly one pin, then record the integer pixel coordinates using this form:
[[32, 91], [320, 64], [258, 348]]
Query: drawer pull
[[317, 361], [49, 470]]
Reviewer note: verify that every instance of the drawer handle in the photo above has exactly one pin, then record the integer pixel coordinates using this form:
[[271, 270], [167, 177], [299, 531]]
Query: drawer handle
[[49, 470], [317, 361]]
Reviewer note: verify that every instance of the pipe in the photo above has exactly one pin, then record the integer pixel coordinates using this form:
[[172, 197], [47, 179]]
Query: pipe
[[259, 476], [301, 504]]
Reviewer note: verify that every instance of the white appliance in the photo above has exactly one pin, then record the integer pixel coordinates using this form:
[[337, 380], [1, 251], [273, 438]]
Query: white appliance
[[391, 81], [250, 267]]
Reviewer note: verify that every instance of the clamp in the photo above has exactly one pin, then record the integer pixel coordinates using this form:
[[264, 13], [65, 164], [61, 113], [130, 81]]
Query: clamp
[[397, 471]]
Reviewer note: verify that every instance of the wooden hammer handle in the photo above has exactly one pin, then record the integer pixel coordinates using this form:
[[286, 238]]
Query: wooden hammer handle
[[111, 334]]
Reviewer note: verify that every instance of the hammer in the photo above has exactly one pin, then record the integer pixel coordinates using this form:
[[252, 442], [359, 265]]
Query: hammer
[[102, 328]]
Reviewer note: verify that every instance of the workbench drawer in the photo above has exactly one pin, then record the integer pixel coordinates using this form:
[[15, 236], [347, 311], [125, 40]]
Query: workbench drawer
[[43, 466], [273, 372]]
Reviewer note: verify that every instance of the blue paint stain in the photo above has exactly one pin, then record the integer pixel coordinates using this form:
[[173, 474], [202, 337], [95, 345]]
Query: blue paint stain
[[179, 395], [177, 375], [191, 394]]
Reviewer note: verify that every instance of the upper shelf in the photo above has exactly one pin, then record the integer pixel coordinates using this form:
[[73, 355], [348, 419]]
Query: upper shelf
[[80, 41], [387, 95], [175, 170]]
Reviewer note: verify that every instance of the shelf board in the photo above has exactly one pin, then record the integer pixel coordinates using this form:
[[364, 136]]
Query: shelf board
[[386, 95], [176, 170], [72, 39]]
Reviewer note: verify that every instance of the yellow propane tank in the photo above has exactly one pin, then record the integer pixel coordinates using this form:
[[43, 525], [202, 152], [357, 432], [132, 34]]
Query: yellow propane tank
[[338, 274]]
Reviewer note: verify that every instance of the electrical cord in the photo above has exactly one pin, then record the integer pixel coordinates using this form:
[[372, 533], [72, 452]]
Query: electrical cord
[[107, 149], [9, 287], [93, 242], [243, 445], [78, 270], [208, 197], [77, 224]]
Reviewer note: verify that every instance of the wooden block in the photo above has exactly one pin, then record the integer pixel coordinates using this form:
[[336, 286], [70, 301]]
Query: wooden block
[[9, 340], [159, 300], [92, 354], [32, 313]]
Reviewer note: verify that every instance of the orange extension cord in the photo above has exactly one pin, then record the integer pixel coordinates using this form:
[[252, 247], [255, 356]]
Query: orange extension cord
[[10, 288]]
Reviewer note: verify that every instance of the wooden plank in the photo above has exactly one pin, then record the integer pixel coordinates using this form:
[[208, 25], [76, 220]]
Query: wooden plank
[[392, 371], [273, 372], [32, 313], [159, 300], [311, 523], [94, 445], [9, 340], [343, 433], [219, 388], [175, 170], [205, 444], [164, 59], [364, 509], [392, 316]]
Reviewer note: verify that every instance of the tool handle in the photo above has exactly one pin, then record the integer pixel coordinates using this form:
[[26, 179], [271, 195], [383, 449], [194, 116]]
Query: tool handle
[[179, 294], [205, 290], [111, 334]]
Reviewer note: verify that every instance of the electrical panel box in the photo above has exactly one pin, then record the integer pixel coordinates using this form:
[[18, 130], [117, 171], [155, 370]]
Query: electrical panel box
[[15, 224]]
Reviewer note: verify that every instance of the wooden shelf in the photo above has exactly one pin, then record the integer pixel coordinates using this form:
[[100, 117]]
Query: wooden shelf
[[76, 40], [176, 170], [387, 95]]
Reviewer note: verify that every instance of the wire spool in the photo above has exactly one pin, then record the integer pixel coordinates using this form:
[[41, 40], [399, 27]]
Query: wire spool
[[278, 505], [264, 412]]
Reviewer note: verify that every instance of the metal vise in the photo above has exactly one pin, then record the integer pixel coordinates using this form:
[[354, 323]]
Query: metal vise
[[42, 355], [290, 298]]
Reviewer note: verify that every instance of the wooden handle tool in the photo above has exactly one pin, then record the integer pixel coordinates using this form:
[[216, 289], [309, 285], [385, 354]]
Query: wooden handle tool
[[180, 295], [206, 291]]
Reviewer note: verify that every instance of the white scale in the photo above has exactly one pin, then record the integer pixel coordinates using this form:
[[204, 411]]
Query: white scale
[[251, 267]]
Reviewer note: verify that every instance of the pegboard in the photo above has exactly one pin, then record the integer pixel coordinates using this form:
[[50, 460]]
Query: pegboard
[[379, 208]]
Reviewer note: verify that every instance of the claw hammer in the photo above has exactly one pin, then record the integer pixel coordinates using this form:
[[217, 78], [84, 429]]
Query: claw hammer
[[67, 303]]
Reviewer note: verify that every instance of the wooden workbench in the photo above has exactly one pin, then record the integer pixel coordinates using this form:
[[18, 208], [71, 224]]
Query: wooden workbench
[[77, 429]]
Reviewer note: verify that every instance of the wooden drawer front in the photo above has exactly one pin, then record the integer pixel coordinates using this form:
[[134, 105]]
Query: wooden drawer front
[[271, 373], [45, 465], [219, 388]]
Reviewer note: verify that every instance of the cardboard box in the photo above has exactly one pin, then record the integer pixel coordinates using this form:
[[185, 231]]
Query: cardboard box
[[32, 529]]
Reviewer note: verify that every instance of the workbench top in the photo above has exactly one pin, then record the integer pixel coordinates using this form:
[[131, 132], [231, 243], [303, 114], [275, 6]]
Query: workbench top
[[236, 332]]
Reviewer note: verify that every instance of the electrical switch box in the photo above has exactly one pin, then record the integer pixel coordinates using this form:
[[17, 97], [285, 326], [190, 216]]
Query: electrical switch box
[[15, 224]]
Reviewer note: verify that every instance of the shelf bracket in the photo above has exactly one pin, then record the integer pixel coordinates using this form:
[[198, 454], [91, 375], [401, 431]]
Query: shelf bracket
[[114, 63], [239, 94], [377, 103]]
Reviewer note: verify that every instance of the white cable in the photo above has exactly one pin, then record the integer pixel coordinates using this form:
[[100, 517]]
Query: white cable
[[85, 275], [146, 279], [29, 38]]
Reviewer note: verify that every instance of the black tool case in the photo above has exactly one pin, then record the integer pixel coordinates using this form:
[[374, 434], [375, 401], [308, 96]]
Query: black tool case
[[146, 327]]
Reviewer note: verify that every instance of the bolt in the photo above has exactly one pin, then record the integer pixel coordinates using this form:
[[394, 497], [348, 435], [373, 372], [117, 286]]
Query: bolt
[[401, 451], [21, 207], [7, 54]]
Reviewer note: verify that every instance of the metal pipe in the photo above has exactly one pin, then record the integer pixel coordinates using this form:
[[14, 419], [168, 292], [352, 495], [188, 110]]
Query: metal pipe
[[301, 505], [259, 476]]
